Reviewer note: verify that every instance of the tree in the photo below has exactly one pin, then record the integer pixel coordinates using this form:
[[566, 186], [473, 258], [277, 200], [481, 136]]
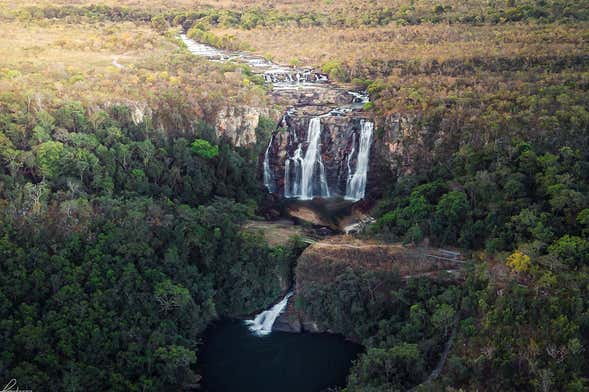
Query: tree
[[443, 317], [518, 262], [395, 368], [204, 149], [160, 24], [174, 363], [450, 215], [171, 295], [583, 220], [49, 156], [571, 249]]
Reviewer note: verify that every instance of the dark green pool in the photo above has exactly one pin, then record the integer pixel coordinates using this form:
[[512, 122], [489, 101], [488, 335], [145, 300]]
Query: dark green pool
[[232, 359]]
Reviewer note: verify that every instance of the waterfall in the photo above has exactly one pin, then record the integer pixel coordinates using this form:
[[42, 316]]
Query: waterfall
[[305, 167], [268, 177], [310, 162], [293, 188], [262, 324], [349, 160], [287, 186], [356, 184], [305, 175], [360, 97]]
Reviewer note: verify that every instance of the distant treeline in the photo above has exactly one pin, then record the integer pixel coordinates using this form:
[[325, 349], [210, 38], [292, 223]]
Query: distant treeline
[[409, 14]]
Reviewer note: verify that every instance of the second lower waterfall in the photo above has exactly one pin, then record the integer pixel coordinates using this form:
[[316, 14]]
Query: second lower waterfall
[[262, 324]]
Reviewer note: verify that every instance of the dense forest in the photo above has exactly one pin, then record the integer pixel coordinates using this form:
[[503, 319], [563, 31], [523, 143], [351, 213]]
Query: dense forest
[[122, 206], [118, 246]]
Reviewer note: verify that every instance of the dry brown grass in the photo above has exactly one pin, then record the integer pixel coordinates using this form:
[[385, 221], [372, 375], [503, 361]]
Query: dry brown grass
[[56, 46], [288, 5], [341, 252], [77, 61], [316, 45], [105, 63], [276, 233]]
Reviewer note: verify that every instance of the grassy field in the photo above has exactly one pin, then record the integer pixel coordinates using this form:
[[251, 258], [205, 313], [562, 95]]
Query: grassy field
[[37, 47], [106, 63], [318, 45]]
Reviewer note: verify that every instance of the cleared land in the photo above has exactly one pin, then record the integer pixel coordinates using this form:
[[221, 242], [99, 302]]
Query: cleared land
[[330, 257], [276, 233]]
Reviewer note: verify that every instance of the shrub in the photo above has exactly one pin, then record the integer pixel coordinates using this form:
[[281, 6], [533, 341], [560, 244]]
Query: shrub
[[204, 149]]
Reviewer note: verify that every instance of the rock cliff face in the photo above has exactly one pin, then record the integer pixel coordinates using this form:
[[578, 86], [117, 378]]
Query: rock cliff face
[[325, 263], [238, 124], [396, 145], [339, 155], [404, 145], [400, 145]]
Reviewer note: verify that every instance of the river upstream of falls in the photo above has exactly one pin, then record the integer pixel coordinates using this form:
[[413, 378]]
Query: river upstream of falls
[[249, 355]]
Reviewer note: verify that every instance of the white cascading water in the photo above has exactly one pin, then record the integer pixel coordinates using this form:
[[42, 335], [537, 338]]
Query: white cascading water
[[311, 160], [356, 184], [293, 188], [287, 190], [360, 97], [262, 324], [305, 168], [300, 177], [268, 177], [350, 155]]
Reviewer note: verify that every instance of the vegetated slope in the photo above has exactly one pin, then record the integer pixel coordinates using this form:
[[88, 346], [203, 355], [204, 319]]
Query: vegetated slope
[[400, 302], [121, 210], [117, 250], [491, 156]]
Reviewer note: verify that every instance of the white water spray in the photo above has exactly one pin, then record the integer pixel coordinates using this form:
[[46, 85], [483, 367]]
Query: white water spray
[[293, 188], [268, 177], [262, 324], [302, 186], [356, 185], [311, 160]]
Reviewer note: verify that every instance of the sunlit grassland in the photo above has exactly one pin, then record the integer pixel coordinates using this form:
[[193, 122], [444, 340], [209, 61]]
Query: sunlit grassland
[[74, 60], [317, 45], [348, 7], [107, 63], [52, 46], [290, 5], [504, 75]]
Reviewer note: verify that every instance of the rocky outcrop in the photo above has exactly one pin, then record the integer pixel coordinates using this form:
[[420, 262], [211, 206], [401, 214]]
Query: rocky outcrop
[[404, 145], [319, 98], [238, 124], [401, 146], [323, 263]]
